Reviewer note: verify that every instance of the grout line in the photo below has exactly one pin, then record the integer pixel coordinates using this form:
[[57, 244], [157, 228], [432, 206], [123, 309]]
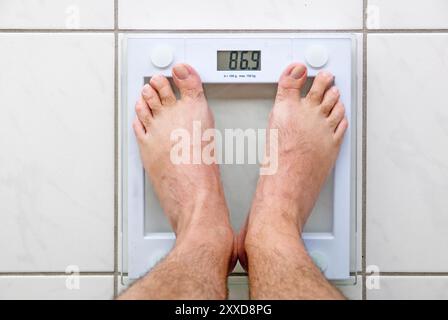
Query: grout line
[[239, 30], [55, 273], [116, 148], [364, 29], [364, 151], [406, 30], [414, 274], [57, 30], [116, 29]]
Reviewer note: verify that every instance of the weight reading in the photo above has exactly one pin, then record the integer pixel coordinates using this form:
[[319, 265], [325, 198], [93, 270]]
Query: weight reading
[[239, 60]]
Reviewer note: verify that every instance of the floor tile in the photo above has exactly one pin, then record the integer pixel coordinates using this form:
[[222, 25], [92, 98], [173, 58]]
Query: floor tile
[[407, 154], [233, 14], [409, 288], [57, 152], [57, 14], [405, 14], [56, 287]]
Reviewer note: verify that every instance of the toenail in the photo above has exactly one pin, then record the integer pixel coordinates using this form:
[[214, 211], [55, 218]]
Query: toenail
[[298, 72], [326, 74], [146, 89], [181, 72], [155, 78], [335, 90]]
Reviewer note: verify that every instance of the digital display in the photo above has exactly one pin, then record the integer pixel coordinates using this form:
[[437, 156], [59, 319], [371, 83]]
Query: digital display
[[239, 60]]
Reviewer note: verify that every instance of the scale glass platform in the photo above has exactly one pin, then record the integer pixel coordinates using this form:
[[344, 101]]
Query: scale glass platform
[[240, 74]]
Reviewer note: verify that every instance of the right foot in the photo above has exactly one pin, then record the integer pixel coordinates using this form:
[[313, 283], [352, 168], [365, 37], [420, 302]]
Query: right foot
[[310, 133], [191, 195]]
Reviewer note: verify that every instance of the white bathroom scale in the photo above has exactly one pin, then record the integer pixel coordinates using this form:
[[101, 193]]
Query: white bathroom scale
[[240, 73]]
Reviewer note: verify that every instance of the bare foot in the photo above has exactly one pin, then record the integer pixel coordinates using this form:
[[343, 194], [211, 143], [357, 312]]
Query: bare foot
[[191, 195], [310, 132]]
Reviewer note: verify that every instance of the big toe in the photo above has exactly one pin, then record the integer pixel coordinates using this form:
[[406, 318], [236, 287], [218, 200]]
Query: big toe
[[188, 82], [291, 82]]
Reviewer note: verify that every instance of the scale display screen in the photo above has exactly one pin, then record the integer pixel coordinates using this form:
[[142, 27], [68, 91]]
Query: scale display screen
[[229, 60]]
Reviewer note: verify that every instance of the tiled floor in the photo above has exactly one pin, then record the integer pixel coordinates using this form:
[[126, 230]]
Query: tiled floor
[[58, 147]]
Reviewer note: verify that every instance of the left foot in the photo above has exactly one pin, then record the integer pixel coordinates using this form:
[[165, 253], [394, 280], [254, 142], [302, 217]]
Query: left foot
[[191, 195]]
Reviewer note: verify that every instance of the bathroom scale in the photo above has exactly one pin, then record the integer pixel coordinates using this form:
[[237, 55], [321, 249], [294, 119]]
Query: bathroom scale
[[240, 72]]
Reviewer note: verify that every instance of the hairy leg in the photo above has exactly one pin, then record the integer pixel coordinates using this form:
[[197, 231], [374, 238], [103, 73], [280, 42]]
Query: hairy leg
[[310, 132], [191, 194]]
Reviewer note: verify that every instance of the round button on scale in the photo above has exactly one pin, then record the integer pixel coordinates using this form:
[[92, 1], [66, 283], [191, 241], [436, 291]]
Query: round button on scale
[[316, 56], [162, 56]]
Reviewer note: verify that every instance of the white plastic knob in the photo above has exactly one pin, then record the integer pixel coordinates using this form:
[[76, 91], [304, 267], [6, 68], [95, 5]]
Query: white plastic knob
[[162, 56], [316, 56], [320, 260]]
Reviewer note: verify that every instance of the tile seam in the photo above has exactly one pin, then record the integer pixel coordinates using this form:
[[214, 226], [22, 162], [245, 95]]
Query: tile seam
[[116, 148], [56, 273], [364, 149], [367, 31]]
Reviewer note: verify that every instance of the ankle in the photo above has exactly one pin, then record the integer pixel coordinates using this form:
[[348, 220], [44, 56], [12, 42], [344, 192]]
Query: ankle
[[203, 209], [285, 206], [207, 236]]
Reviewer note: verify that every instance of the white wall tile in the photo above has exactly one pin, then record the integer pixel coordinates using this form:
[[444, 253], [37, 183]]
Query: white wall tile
[[53, 14], [57, 152], [56, 287], [410, 288], [249, 14], [396, 14], [407, 154]]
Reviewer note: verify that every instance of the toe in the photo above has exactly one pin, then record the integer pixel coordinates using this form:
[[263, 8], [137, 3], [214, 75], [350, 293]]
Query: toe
[[188, 82], [139, 129], [151, 97], [163, 87], [321, 83], [331, 97], [336, 115], [291, 81], [340, 129], [143, 112]]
